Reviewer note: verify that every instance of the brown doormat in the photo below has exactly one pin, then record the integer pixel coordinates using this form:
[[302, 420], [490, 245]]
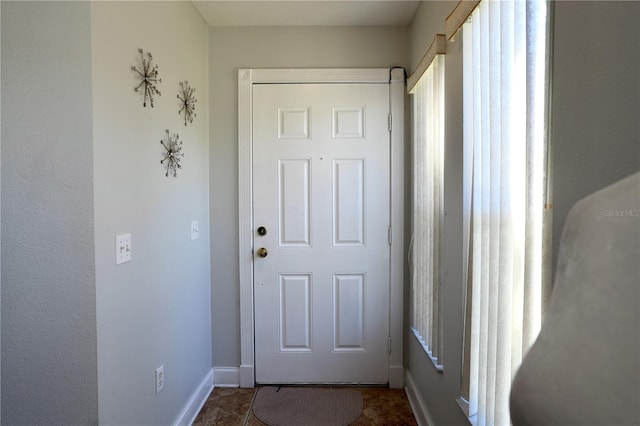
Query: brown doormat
[[291, 406]]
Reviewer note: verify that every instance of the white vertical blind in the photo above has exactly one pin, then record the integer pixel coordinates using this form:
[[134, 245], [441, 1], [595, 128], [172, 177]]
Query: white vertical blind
[[504, 98], [428, 160]]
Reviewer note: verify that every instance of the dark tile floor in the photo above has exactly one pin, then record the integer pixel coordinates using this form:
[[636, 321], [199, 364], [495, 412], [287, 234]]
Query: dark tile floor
[[232, 407]]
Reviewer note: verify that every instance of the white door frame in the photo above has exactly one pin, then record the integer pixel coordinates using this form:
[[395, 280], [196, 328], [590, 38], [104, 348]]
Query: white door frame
[[246, 79]]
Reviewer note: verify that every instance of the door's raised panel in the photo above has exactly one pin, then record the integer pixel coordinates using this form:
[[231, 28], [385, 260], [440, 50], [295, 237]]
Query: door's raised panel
[[295, 312], [293, 123], [348, 311], [348, 122], [294, 198], [348, 202]]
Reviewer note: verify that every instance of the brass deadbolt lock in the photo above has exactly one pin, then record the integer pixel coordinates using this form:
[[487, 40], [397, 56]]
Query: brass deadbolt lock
[[262, 231]]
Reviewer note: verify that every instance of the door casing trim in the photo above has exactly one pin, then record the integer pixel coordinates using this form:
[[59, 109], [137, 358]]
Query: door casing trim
[[246, 78]]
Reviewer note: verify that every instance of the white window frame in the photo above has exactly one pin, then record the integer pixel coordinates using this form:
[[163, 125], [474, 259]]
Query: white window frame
[[426, 86]]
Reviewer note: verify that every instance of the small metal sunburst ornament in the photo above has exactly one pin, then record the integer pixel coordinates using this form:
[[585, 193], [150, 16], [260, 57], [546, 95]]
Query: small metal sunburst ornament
[[148, 76], [172, 154], [188, 102]]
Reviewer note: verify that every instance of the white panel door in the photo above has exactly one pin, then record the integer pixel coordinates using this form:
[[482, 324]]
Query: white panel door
[[321, 193]]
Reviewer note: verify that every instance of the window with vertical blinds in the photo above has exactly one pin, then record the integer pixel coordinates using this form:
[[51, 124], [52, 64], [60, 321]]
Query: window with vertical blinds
[[428, 160], [504, 61]]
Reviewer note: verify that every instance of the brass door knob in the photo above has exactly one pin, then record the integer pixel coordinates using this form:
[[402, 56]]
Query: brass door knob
[[262, 252]]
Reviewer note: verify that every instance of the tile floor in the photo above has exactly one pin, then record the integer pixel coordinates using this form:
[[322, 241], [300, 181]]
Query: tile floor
[[232, 407]]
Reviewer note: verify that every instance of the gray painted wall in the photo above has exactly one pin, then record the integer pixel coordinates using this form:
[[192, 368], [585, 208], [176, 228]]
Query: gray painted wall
[[595, 140], [596, 100], [426, 23], [81, 338], [0, 220], [274, 47], [154, 310], [49, 357]]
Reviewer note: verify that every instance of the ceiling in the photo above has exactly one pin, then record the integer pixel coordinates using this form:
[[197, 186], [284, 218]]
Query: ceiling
[[238, 13]]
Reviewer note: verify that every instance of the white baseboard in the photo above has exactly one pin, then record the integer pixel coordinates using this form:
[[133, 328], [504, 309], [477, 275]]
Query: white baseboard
[[420, 411], [247, 376], [190, 411], [226, 377], [396, 376], [233, 377]]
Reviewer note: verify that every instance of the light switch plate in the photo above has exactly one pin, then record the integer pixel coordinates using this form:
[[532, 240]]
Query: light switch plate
[[194, 229], [123, 248]]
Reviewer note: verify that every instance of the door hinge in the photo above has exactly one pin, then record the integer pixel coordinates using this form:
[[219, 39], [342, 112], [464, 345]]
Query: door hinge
[[389, 344], [390, 235], [390, 122]]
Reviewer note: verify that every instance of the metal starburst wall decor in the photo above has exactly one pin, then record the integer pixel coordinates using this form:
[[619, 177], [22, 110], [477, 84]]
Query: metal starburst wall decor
[[188, 102], [148, 76], [172, 154]]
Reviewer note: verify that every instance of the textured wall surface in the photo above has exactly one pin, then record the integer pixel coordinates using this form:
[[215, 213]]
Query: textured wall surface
[[156, 309], [49, 356], [0, 220], [595, 134], [427, 22]]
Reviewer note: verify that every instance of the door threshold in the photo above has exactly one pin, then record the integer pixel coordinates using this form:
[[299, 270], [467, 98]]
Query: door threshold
[[324, 385]]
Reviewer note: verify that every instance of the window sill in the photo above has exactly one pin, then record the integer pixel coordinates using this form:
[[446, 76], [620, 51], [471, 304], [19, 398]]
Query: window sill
[[464, 406], [433, 359]]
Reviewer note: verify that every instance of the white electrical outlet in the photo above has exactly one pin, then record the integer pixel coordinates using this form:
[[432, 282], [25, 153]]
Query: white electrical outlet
[[159, 378], [123, 248], [194, 229]]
